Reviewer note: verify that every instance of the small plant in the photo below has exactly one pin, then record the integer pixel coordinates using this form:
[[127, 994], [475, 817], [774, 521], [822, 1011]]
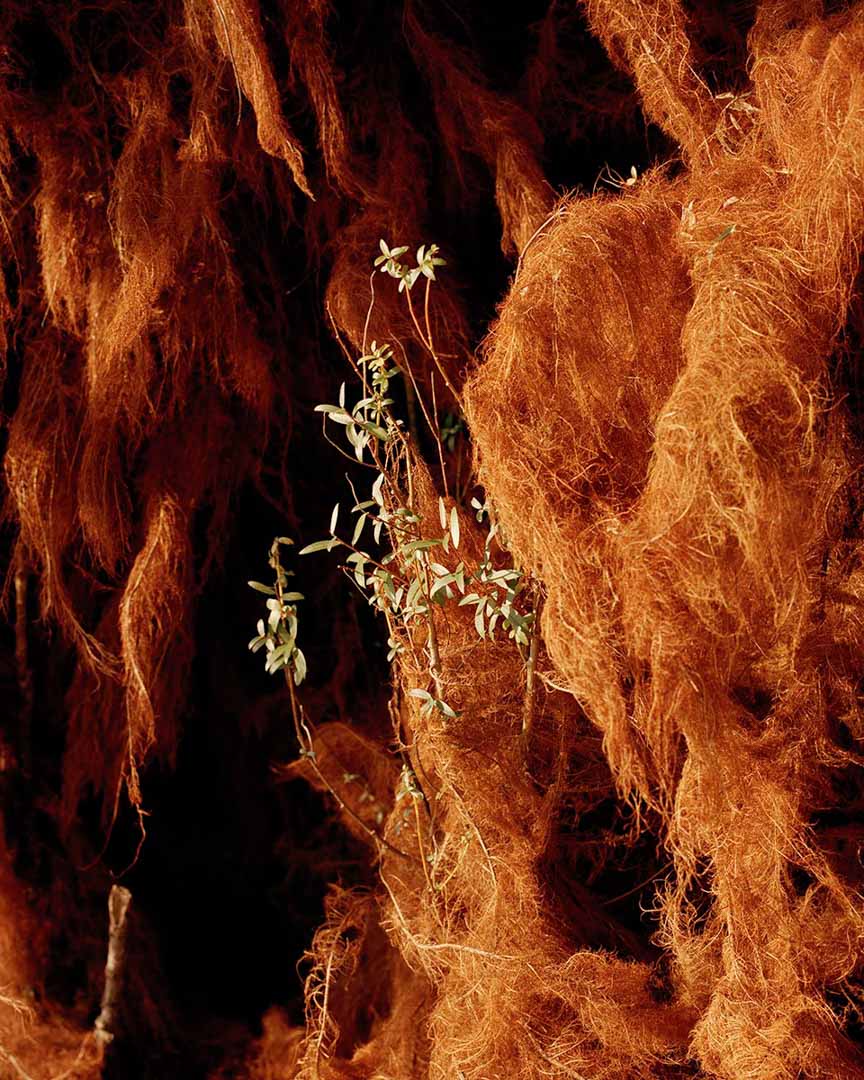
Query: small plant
[[427, 260], [405, 566], [278, 634]]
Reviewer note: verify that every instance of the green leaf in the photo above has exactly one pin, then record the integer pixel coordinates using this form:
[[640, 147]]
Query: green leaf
[[418, 545], [479, 624], [358, 529], [374, 429], [292, 597], [258, 587], [319, 545], [275, 659], [299, 667], [285, 634], [359, 575], [515, 619], [334, 517], [422, 695], [440, 591], [413, 593], [454, 526]]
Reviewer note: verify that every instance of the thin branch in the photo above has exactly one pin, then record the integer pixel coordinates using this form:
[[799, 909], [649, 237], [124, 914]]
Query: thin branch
[[530, 674], [439, 445], [304, 738], [431, 349]]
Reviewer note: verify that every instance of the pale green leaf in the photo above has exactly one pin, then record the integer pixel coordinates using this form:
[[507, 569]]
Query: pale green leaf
[[258, 587]]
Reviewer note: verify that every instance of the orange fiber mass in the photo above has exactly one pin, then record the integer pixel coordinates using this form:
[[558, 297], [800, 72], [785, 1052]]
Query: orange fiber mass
[[632, 849]]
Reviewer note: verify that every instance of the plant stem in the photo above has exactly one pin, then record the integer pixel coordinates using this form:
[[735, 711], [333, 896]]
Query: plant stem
[[432, 634], [530, 675], [431, 349], [304, 738]]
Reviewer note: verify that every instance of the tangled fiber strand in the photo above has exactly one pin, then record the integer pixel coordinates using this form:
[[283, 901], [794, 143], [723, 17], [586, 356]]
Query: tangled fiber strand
[[311, 61], [579, 364], [502, 990], [471, 116], [749, 487], [708, 584], [538, 1003], [152, 619], [651, 40], [659, 423], [132, 245], [236, 25], [355, 974]]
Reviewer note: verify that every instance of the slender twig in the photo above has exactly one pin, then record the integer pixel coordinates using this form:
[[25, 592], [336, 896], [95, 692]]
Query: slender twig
[[423, 862], [426, 311], [641, 885], [477, 832], [417, 393], [432, 634], [557, 212], [431, 350], [304, 738], [349, 457], [369, 310], [442, 946], [411, 405], [439, 445], [530, 674]]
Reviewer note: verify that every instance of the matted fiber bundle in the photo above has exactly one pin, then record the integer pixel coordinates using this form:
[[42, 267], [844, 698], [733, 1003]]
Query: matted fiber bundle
[[630, 852], [695, 519]]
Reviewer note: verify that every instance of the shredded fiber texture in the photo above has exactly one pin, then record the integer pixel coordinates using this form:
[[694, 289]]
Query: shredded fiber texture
[[632, 853]]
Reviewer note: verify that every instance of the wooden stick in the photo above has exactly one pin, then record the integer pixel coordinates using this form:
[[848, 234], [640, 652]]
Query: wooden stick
[[118, 909]]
